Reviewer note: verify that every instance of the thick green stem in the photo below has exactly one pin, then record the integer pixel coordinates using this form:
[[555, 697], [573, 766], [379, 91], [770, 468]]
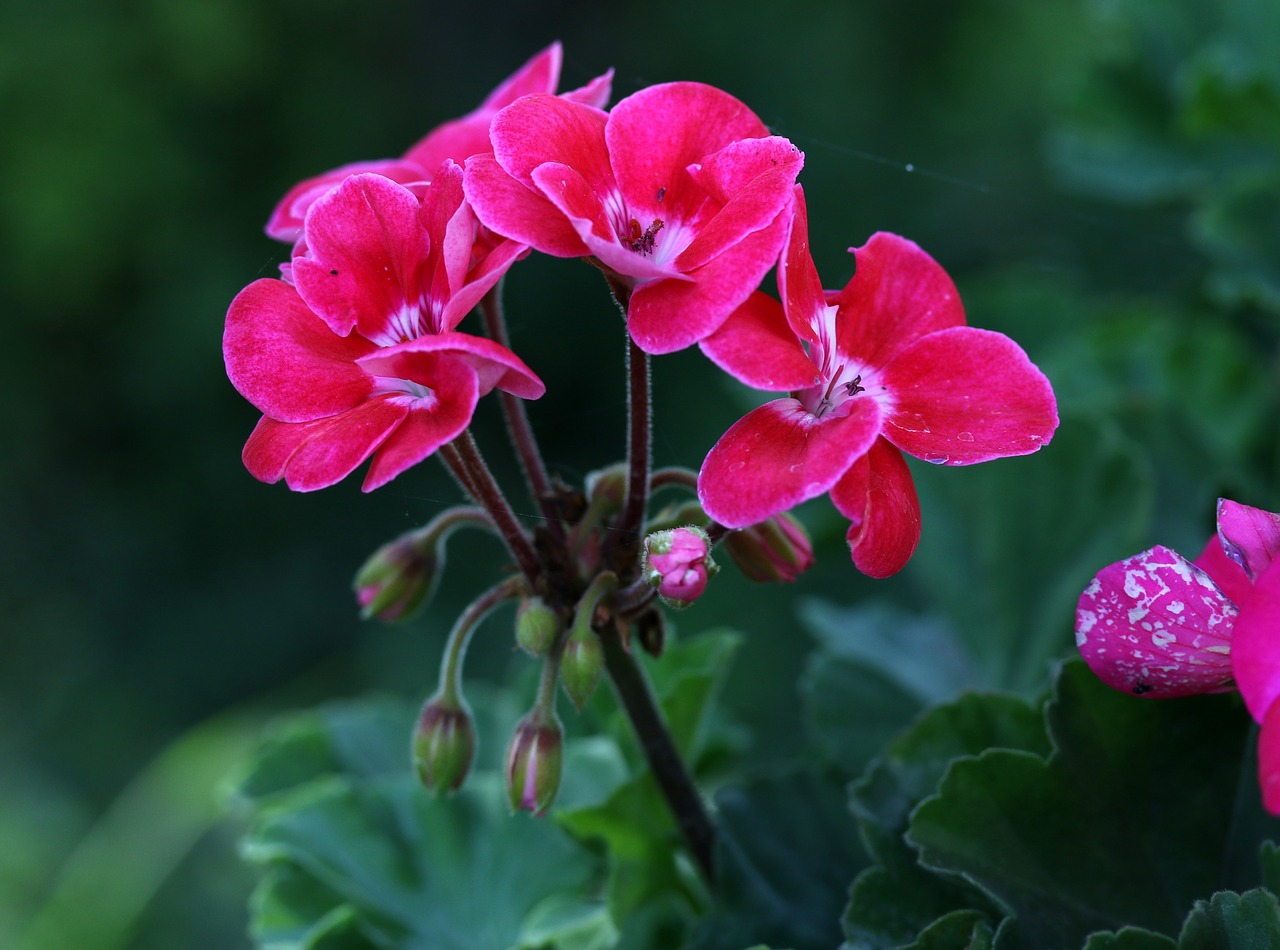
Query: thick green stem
[[664, 760]]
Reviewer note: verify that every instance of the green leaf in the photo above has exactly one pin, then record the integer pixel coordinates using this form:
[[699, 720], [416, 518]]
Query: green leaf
[[687, 680], [1249, 921], [1006, 553], [365, 739], [357, 854], [1129, 938], [786, 851], [873, 671], [1123, 824], [896, 899]]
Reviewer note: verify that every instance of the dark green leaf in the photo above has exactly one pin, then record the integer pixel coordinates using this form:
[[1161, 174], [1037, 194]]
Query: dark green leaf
[[1006, 553], [1249, 921], [1130, 938], [786, 852], [1123, 825], [895, 900]]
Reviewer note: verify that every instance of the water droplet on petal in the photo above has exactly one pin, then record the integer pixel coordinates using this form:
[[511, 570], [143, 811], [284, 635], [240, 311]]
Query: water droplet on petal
[[964, 436]]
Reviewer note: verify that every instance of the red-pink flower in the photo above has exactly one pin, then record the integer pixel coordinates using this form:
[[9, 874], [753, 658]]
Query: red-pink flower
[[882, 367], [360, 359], [1160, 626], [456, 140], [679, 192]]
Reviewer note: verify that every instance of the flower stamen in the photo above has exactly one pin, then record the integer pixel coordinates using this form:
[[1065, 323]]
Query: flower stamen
[[642, 241]]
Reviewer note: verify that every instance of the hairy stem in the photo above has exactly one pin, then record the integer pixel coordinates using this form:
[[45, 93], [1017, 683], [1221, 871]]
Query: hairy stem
[[632, 688], [639, 425], [469, 467], [455, 650], [513, 409]]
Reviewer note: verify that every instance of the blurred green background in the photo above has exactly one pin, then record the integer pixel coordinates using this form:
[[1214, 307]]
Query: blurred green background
[[1102, 180]]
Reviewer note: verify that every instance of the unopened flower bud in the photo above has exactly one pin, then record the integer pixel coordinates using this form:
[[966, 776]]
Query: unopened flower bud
[[536, 626], [534, 760], [678, 563], [443, 744], [397, 579], [776, 549], [607, 488], [581, 664]]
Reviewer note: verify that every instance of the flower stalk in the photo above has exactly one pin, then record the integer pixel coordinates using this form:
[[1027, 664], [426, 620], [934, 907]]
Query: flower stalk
[[641, 707]]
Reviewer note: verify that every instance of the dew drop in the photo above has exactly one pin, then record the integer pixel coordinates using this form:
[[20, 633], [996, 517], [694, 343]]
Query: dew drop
[[964, 436]]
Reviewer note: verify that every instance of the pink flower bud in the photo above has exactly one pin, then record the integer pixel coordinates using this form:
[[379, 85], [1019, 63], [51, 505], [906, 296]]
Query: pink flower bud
[[776, 549], [396, 580], [678, 563], [534, 760], [443, 744]]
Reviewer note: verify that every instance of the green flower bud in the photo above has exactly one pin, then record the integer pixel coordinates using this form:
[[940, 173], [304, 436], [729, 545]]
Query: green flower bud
[[534, 760], [776, 549], [581, 664], [444, 742], [607, 488], [537, 626], [397, 579]]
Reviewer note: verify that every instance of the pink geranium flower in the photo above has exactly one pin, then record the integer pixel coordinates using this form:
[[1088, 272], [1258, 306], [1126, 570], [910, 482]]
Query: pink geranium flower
[[679, 192], [882, 367], [457, 140], [360, 358], [1160, 626]]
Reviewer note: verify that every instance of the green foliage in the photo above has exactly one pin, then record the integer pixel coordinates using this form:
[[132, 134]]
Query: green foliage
[[1107, 817]]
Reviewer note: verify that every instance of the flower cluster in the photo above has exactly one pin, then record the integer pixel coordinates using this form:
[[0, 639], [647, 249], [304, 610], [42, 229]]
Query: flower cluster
[[685, 201], [1161, 626]]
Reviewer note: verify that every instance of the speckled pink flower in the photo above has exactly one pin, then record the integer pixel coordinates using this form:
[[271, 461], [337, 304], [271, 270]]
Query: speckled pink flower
[[1160, 626]]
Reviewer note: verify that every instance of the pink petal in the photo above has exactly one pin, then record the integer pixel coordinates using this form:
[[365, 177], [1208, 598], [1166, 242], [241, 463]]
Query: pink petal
[[365, 249], [779, 455], [656, 133], [1250, 536], [450, 225], [798, 282], [668, 315], [430, 423], [584, 209], [1226, 573], [540, 129], [422, 360], [1269, 759], [483, 278], [964, 395], [287, 219], [898, 293], [879, 497], [756, 346], [286, 361], [1156, 625], [312, 455], [461, 138], [595, 93], [514, 210], [1255, 649], [754, 179]]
